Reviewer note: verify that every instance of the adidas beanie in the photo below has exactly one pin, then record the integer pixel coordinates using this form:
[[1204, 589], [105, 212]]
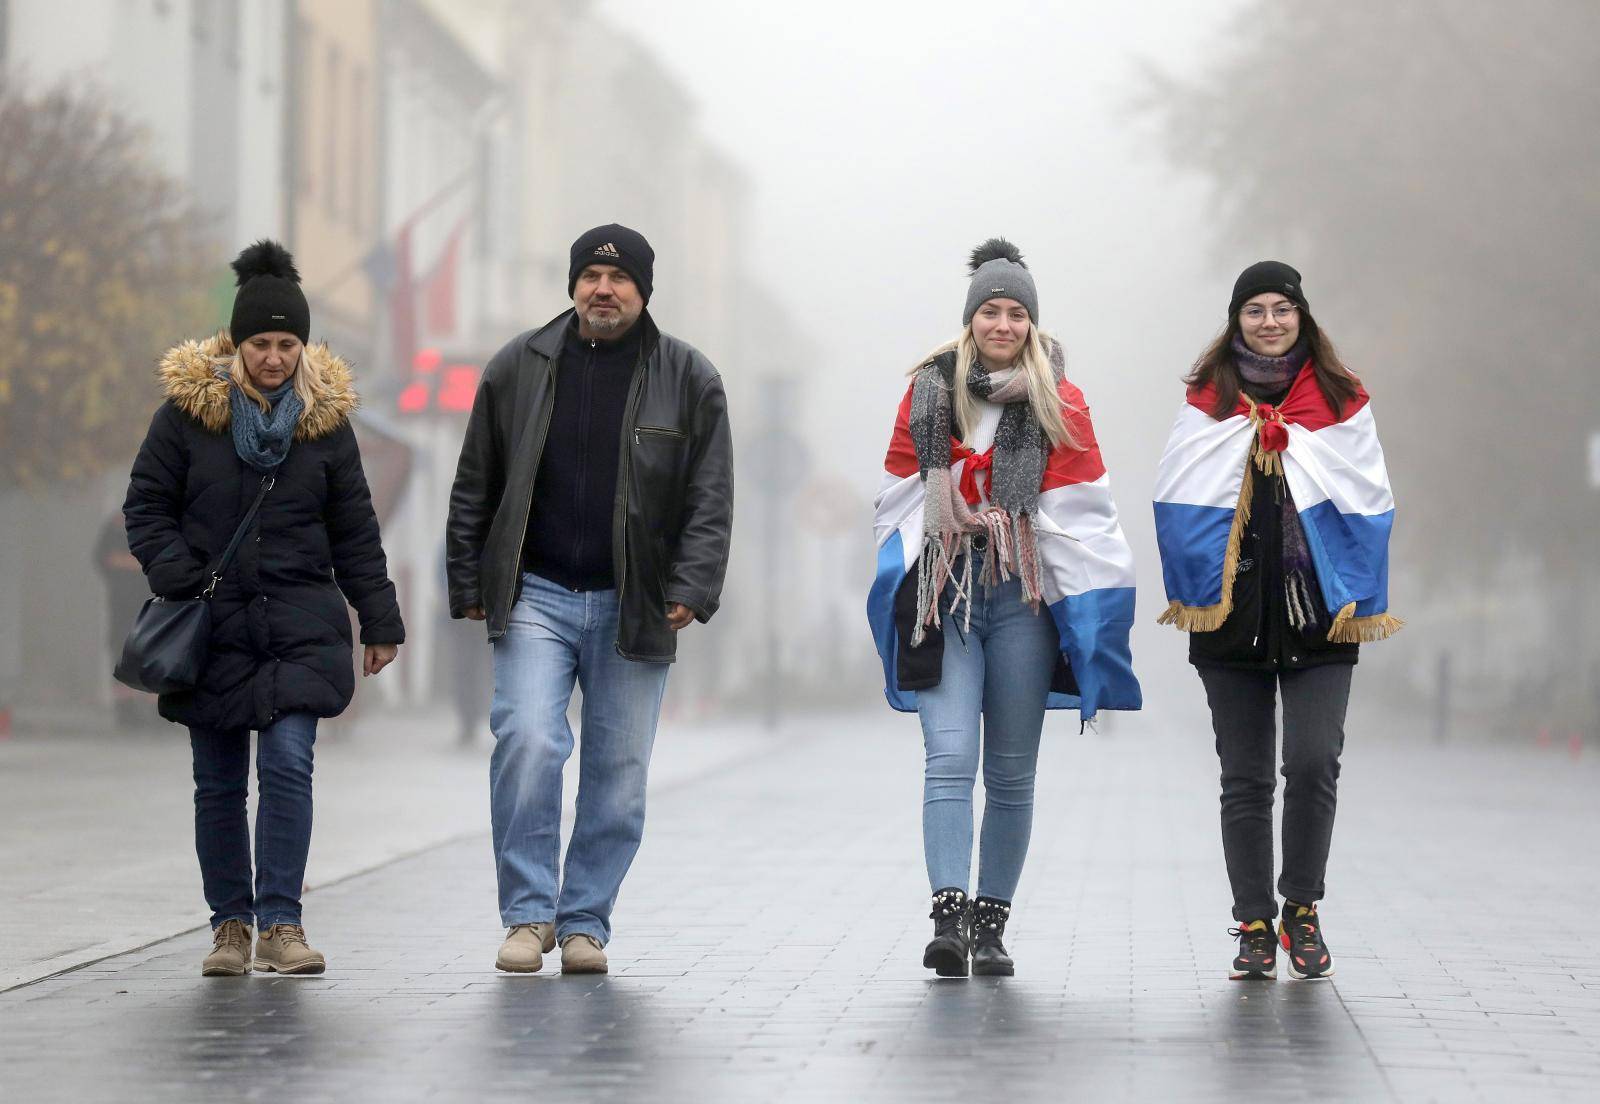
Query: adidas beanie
[[613, 244]]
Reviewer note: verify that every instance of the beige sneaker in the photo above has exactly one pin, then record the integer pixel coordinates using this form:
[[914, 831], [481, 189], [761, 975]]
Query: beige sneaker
[[582, 954], [523, 950], [230, 951], [283, 948]]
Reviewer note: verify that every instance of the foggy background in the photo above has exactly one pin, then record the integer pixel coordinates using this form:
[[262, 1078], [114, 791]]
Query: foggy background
[[812, 178]]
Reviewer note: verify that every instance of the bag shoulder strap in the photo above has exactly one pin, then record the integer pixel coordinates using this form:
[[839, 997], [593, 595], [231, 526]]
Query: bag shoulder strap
[[238, 534]]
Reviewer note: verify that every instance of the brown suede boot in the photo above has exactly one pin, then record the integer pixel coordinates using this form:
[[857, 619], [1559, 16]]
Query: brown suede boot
[[230, 951], [525, 947], [582, 954], [283, 948]]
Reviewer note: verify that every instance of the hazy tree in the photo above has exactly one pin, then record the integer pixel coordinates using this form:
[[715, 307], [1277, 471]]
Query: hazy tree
[[101, 265], [1432, 169]]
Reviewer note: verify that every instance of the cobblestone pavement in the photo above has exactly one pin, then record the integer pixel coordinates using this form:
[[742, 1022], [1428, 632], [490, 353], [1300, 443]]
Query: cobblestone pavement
[[93, 818], [768, 948]]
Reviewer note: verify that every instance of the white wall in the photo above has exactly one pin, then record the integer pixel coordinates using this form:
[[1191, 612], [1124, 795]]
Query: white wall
[[141, 55], [135, 52], [262, 110]]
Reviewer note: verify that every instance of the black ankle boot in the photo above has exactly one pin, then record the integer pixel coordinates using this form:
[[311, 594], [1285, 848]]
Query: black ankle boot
[[947, 951], [989, 956]]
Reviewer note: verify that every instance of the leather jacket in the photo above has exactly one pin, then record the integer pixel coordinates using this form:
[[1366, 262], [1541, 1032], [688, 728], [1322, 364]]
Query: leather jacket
[[673, 510]]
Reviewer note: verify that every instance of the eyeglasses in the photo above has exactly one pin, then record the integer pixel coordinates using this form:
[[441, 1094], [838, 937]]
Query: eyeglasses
[[1280, 313]]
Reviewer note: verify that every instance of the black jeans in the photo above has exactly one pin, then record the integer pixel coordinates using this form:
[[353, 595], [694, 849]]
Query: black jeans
[[1243, 714], [283, 819]]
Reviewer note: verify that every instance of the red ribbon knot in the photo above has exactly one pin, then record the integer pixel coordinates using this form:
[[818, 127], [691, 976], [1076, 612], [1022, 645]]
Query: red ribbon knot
[[971, 464], [1274, 434]]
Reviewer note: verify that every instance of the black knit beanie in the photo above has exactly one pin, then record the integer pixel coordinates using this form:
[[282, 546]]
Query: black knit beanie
[[1264, 276], [613, 244], [269, 298]]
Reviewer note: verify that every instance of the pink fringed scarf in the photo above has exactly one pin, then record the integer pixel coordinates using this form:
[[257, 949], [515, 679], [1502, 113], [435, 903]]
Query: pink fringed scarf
[[949, 523]]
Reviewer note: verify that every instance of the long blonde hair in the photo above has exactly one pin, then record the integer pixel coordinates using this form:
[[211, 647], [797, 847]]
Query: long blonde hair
[[1035, 364], [307, 379]]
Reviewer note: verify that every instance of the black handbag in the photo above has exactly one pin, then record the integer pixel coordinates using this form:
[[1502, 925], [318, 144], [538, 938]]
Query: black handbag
[[166, 648]]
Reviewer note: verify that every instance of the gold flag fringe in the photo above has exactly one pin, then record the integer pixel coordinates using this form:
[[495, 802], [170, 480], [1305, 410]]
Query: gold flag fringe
[[1210, 618], [1270, 463], [1350, 629], [1347, 628]]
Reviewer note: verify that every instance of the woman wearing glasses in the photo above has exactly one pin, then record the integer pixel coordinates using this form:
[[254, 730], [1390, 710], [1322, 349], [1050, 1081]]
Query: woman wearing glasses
[[1273, 513]]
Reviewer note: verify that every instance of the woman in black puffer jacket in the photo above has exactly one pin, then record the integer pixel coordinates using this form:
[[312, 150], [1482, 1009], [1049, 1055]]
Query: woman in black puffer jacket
[[251, 408]]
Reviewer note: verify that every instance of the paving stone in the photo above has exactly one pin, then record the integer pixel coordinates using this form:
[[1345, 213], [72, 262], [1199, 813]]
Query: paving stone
[[768, 947]]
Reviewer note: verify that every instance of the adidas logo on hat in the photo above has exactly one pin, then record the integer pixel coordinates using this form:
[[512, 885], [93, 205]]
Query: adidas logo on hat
[[606, 250]]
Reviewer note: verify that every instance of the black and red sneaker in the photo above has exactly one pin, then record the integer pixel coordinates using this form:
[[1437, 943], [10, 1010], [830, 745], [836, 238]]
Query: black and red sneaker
[[1258, 952], [1300, 932]]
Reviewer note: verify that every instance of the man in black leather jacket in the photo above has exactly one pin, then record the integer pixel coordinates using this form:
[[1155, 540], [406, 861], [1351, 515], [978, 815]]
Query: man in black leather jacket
[[589, 524]]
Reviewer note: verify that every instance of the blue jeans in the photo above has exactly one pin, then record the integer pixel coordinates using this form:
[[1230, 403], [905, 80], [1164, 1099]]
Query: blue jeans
[[283, 819], [556, 639], [998, 670]]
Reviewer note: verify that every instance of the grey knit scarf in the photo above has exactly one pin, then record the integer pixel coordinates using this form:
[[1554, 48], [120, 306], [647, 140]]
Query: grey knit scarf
[[262, 437], [949, 525]]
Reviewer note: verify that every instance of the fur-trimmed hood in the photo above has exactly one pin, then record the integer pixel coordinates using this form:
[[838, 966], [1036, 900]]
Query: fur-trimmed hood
[[192, 378]]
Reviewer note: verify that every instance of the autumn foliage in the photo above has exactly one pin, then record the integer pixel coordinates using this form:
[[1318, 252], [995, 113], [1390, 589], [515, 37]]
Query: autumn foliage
[[102, 265]]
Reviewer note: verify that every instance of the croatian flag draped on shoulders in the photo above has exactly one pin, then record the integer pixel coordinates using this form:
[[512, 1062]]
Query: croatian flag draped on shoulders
[[1060, 536], [1333, 466]]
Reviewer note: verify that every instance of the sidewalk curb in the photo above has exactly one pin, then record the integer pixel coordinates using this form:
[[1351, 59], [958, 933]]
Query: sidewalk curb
[[71, 963], [23, 979]]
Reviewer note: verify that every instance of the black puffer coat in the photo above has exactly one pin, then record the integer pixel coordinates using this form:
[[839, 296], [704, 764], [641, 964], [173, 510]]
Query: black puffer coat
[[280, 635]]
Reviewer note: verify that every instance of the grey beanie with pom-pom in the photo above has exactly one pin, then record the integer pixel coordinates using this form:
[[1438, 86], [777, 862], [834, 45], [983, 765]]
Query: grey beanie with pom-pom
[[269, 299], [998, 272]]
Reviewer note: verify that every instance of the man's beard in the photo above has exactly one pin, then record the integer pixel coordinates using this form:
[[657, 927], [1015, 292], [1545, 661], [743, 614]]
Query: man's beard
[[605, 322]]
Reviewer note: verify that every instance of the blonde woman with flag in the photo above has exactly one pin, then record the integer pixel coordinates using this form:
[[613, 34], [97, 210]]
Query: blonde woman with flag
[[1004, 588], [1273, 513]]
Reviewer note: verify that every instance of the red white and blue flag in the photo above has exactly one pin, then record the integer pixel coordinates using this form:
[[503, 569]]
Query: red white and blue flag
[[1334, 469], [1086, 565]]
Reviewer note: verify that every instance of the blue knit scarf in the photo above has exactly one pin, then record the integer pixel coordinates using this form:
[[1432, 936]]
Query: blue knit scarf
[[262, 438]]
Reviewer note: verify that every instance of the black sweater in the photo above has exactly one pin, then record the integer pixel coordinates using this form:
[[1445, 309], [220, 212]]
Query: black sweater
[[569, 537]]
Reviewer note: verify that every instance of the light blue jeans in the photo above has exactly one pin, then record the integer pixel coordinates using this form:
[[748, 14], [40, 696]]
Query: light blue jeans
[[556, 639], [997, 671]]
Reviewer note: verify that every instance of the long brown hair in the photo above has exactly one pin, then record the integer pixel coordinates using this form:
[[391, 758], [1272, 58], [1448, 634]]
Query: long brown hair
[[1217, 366]]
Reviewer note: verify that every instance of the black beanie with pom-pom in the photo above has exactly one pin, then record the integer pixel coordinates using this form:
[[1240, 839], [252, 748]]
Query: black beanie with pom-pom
[[269, 299]]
